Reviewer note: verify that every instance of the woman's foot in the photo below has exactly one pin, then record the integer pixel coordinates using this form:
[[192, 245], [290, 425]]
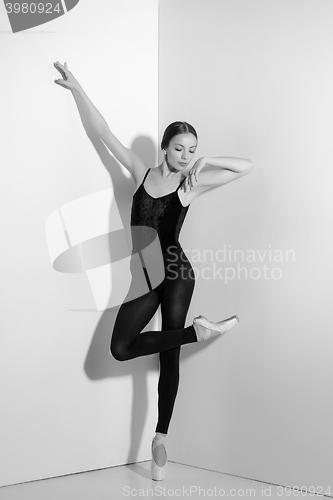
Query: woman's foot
[[206, 329], [159, 460]]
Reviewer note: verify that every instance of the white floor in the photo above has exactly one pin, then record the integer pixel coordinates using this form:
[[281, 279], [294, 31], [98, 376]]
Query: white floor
[[132, 481]]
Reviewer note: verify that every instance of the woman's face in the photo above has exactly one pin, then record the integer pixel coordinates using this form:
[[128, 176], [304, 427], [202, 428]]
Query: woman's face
[[181, 150]]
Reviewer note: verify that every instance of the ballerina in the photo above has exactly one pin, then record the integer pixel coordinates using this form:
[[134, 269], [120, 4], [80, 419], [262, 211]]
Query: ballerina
[[161, 201]]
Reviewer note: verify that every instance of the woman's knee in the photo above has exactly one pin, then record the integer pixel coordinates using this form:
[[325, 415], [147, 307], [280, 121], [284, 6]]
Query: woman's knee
[[119, 351]]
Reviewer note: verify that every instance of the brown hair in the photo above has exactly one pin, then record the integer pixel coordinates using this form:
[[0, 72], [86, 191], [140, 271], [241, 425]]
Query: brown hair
[[174, 129]]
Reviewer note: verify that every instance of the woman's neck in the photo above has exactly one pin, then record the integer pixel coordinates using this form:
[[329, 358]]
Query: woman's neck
[[166, 172]]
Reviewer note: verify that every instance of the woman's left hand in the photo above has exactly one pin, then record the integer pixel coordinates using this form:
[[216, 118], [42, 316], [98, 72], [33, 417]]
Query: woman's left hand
[[193, 174]]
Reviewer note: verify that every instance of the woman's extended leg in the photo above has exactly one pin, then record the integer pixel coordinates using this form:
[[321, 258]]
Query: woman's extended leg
[[175, 301], [167, 387]]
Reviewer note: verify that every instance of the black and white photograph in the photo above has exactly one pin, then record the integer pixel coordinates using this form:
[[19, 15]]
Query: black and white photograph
[[166, 240]]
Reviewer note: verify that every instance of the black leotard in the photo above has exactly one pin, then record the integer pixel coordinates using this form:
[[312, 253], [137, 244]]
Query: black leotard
[[150, 217], [165, 214]]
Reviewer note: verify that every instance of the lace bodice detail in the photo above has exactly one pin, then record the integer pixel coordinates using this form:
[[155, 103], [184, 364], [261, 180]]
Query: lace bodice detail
[[165, 215]]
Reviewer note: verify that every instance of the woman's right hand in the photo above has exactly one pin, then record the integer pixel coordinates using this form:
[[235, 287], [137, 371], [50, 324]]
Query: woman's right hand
[[69, 81]]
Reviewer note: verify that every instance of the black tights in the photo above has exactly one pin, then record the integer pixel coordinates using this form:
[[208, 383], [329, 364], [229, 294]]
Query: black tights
[[174, 296]]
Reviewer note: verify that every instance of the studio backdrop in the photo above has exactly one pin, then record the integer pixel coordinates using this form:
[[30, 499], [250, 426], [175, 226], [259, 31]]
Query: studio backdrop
[[254, 77]]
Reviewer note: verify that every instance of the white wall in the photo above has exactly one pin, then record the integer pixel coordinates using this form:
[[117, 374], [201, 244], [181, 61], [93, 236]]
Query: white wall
[[66, 404], [255, 78]]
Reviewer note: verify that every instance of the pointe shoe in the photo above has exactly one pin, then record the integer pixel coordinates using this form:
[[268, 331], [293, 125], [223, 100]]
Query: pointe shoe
[[206, 329], [158, 472]]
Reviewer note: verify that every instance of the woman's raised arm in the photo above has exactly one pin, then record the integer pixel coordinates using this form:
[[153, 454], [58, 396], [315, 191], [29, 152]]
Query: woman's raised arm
[[86, 108]]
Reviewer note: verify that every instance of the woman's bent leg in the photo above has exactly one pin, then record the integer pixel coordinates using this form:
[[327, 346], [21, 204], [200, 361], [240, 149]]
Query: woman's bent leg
[[127, 340]]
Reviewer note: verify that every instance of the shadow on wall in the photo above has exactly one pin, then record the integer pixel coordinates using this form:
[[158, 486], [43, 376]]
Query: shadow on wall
[[99, 362]]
